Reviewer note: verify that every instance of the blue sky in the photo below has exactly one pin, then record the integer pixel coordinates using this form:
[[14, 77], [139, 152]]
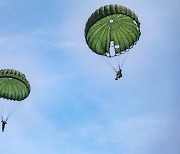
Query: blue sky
[[75, 105]]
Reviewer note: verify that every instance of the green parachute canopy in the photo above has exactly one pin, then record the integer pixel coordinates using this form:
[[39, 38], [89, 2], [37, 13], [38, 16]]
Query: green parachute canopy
[[112, 24], [13, 85]]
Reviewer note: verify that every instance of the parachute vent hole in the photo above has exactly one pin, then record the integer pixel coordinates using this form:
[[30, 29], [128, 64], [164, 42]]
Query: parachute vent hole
[[111, 21]]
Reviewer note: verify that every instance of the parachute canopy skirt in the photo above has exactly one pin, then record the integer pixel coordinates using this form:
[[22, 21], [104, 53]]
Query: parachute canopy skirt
[[112, 24], [13, 85]]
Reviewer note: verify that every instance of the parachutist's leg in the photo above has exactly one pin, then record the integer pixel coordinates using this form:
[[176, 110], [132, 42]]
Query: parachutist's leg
[[116, 77]]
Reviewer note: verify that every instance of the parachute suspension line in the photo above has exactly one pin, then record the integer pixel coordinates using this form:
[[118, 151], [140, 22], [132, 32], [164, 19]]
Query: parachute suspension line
[[108, 63], [117, 59], [1, 116], [125, 58], [121, 59], [1, 108], [111, 53], [114, 59], [7, 108], [9, 114], [13, 108]]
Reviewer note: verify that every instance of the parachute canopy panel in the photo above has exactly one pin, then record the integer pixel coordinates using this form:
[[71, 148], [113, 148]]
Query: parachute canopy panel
[[112, 24], [13, 85]]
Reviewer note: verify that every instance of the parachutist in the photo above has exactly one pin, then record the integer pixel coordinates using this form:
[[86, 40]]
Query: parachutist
[[118, 74], [4, 122]]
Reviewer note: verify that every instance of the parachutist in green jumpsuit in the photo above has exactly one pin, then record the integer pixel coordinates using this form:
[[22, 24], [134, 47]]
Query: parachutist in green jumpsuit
[[4, 122], [118, 74]]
